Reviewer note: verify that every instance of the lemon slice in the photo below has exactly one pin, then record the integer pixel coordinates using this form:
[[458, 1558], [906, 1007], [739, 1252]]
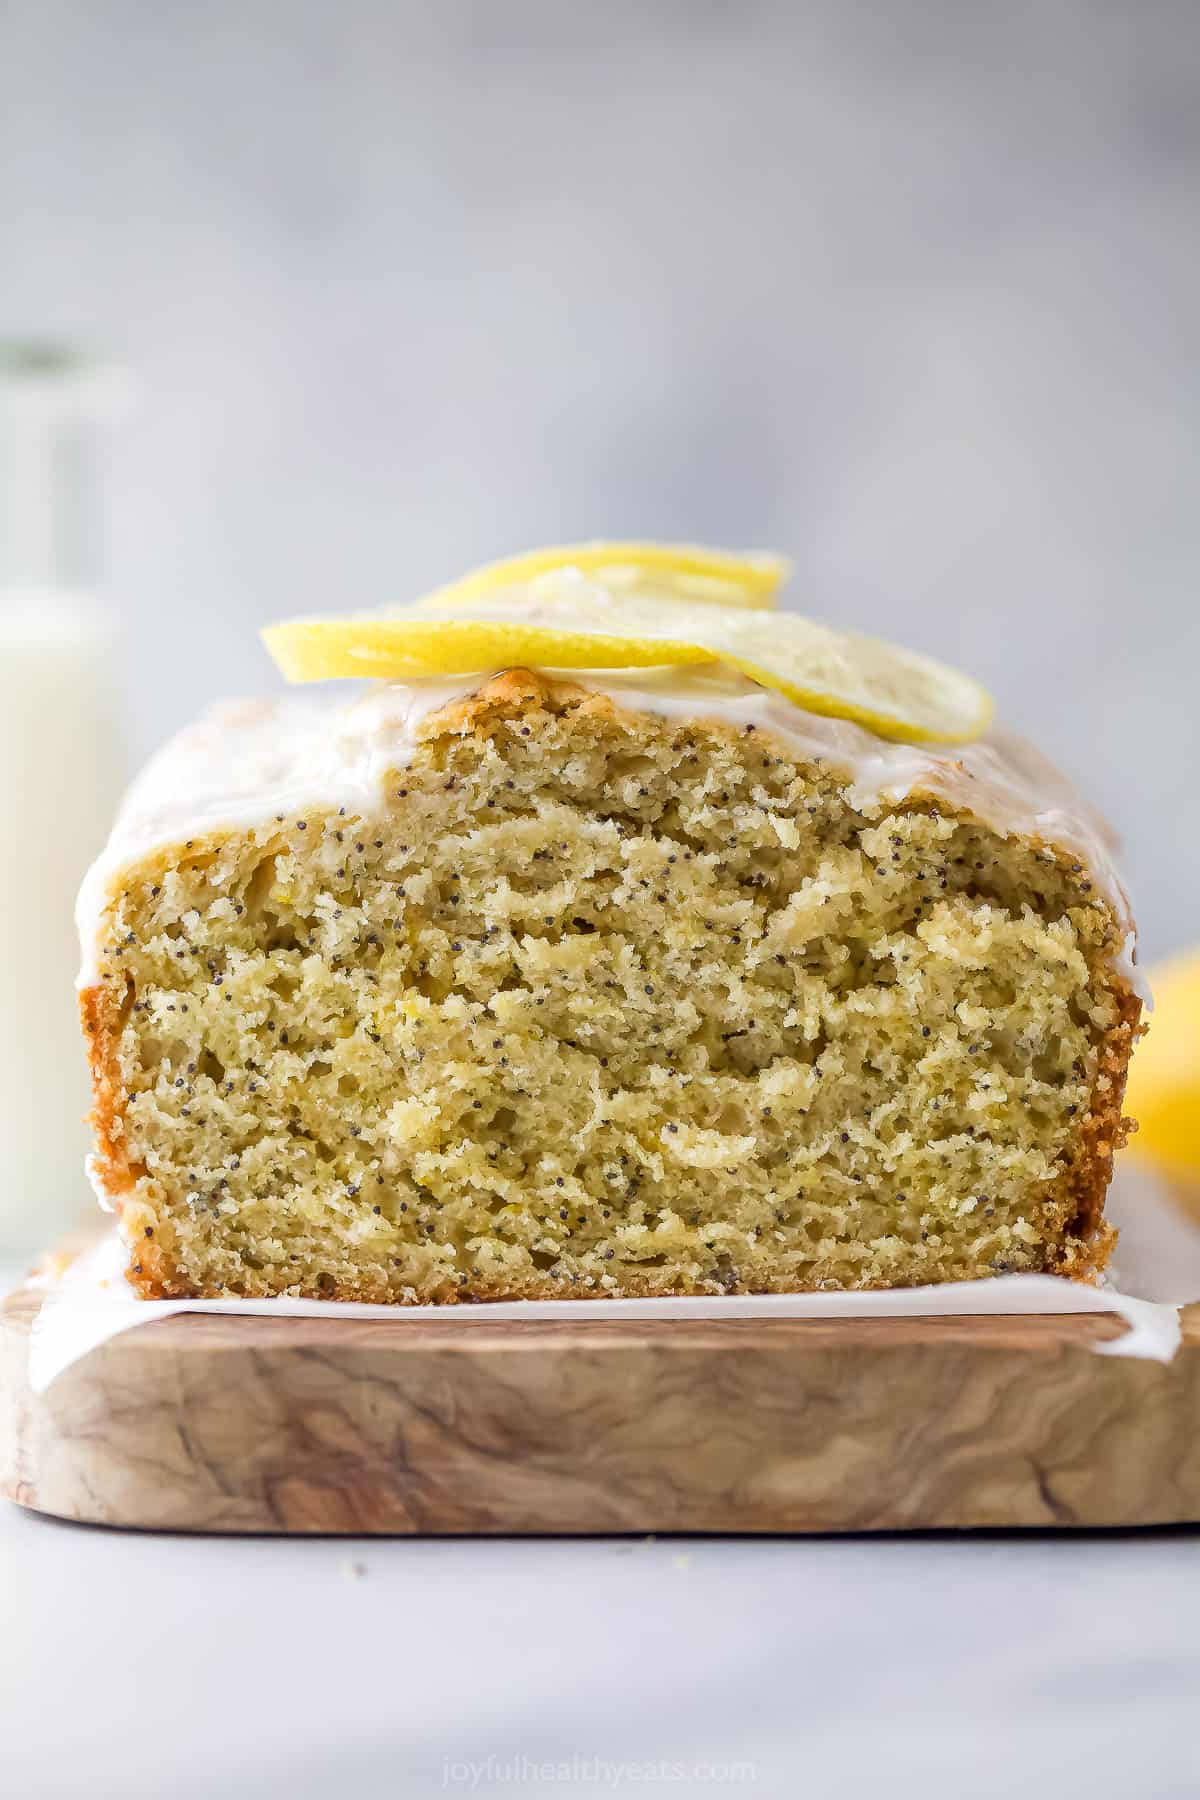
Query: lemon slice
[[1163, 1094], [564, 621], [689, 571]]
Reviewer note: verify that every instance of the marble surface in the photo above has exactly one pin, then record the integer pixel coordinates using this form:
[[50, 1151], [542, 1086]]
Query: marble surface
[[140, 1665]]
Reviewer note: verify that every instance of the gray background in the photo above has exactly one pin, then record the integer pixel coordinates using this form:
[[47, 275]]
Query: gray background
[[908, 290]]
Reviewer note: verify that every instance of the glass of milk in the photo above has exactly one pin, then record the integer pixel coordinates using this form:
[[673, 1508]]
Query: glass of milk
[[62, 766]]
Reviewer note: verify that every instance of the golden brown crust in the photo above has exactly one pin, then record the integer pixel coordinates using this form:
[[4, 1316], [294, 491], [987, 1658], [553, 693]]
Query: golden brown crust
[[100, 1018], [151, 1270], [1087, 1240], [1090, 1239], [528, 690]]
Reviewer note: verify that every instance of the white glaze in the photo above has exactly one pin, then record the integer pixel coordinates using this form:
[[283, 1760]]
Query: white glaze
[[247, 761]]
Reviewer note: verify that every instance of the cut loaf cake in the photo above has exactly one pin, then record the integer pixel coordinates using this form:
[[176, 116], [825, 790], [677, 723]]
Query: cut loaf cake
[[567, 985]]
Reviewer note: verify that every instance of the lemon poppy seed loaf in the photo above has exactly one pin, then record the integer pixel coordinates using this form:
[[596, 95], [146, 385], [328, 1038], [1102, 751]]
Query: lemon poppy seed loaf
[[562, 986]]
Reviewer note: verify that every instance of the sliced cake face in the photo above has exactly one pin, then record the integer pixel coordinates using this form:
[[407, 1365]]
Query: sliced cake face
[[573, 997]]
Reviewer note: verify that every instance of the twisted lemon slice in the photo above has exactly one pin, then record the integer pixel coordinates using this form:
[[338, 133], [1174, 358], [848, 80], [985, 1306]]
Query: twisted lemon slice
[[564, 620], [687, 571]]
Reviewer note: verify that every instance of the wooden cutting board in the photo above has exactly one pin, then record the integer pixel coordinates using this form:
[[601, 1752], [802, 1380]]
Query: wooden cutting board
[[461, 1424]]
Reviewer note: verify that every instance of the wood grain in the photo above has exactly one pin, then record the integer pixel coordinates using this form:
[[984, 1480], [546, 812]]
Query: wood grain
[[461, 1424]]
